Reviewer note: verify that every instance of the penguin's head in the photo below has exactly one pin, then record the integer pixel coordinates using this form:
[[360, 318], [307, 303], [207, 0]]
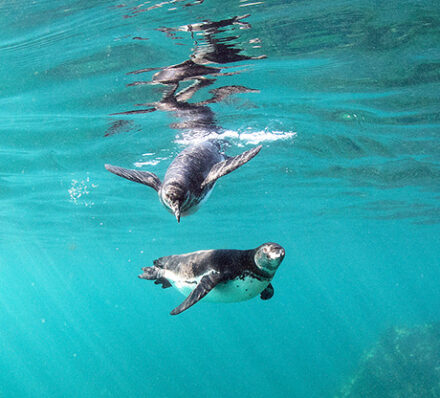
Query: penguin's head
[[268, 257], [173, 196]]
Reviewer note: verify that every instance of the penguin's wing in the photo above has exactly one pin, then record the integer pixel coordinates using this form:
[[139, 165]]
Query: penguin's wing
[[267, 293], [222, 168], [143, 177], [206, 284]]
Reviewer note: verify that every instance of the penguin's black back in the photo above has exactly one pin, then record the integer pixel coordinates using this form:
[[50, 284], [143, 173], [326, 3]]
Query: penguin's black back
[[229, 263], [192, 165]]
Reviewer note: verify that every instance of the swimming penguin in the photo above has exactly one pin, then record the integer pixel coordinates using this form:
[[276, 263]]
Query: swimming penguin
[[190, 177], [220, 275]]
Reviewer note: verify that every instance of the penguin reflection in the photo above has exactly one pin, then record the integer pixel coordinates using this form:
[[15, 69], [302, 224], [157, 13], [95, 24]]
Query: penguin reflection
[[197, 118], [216, 50]]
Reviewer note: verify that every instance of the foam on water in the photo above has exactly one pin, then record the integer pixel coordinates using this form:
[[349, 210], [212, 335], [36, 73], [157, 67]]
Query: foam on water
[[240, 139]]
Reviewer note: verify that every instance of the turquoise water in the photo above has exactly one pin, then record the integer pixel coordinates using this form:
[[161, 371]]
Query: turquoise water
[[344, 98]]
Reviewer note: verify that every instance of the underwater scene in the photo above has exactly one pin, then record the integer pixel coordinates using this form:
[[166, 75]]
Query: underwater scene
[[210, 198]]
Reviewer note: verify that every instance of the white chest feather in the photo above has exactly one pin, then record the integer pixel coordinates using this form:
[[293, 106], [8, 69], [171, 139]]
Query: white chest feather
[[231, 291]]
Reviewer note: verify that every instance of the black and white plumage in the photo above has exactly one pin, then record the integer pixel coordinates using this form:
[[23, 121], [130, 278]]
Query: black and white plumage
[[220, 275], [190, 177]]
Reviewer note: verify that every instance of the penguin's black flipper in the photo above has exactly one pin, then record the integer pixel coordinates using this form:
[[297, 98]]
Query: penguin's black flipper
[[142, 177], [267, 293], [206, 284], [222, 168]]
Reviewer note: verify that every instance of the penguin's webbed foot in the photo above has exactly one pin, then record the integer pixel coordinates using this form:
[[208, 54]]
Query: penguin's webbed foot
[[153, 274], [163, 281], [267, 293]]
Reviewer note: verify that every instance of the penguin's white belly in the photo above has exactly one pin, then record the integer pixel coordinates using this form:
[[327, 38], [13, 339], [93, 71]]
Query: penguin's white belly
[[227, 292]]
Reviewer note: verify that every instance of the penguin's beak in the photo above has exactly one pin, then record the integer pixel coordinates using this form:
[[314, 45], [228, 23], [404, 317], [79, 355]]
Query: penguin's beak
[[177, 214]]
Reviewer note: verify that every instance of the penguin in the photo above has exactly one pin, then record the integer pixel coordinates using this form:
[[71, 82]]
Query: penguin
[[218, 275], [190, 177]]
